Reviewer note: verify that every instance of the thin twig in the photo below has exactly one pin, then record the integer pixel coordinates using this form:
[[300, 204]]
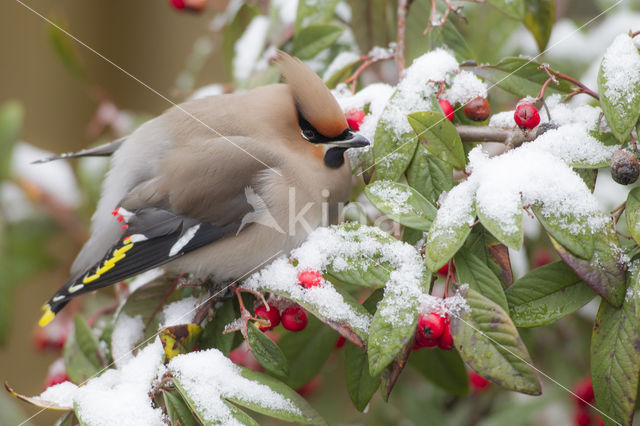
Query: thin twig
[[403, 8]]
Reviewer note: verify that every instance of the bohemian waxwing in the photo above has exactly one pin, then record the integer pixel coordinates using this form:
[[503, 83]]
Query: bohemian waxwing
[[215, 187]]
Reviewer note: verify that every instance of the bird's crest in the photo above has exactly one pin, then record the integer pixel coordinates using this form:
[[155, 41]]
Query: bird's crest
[[313, 99]]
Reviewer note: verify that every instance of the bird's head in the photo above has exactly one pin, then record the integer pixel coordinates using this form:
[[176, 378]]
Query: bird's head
[[320, 118]]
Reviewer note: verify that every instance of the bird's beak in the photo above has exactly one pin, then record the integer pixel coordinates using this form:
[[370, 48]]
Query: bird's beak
[[355, 141]]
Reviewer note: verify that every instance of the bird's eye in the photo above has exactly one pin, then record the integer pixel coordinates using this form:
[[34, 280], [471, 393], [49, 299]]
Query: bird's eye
[[308, 134]]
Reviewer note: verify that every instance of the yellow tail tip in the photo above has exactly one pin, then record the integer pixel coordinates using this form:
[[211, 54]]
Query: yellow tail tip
[[47, 317]]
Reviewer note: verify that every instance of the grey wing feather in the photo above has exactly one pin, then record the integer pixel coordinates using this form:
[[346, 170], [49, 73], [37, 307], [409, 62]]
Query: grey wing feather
[[104, 150]]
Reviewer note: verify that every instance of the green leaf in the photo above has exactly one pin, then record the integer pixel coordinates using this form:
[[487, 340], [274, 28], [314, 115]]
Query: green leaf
[[539, 18], [241, 416], [267, 352], [569, 230], [546, 294], [307, 351], [81, 352], [444, 241], [443, 368], [615, 355], [429, 175], [402, 204], [341, 74], [520, 76], [439, 136], [313, 12], [601, 272], [511, 233], [632, 212], [179, 339], [315, 38], [360, 384], [11, 118], [177, 410], [489, 343], [513, 8], [365, 273], [308, 414], [470, 269], [213, 335], [64, 46], [621, 105], [392, 328], [392, 153], [588, 176]]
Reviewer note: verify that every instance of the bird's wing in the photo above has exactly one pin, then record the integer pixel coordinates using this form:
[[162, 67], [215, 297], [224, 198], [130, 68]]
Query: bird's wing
[[103, 150], [194, 200]]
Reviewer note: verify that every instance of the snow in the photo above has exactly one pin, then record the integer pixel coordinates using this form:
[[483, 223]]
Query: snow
[[56, 178], [531, 175], [209, 376], [464, 87], [121, 396], [61, 394], [455, 209], [249, 46], [393, 198], [145, 278], [339, 62], [454, 306], [127, 333], [503, 120], [287, 10], [340, 247], [206, 91], [21, 207], [621, 70], [375, 95], [180, 312]]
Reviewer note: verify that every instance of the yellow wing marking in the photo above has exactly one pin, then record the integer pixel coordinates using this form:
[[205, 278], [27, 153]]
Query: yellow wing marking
[[117, 256]]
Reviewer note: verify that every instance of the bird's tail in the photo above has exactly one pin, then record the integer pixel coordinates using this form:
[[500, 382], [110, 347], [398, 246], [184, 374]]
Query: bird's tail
[[50, 310]]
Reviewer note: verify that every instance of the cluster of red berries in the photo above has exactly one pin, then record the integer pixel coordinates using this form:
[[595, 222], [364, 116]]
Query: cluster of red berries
[[477, 109], [191, 5], [583, 398], [433, 330], [293, 318], [526, 115]]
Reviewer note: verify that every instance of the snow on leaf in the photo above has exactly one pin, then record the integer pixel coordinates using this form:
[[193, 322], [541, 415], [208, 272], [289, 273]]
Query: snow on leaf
[[619, 86], [402, 204]]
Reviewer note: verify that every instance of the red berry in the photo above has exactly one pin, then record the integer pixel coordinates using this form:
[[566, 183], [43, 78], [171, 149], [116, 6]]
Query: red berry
[[310, 278], [55, 379], [477, 382], [599, 421], [447, 109], [294, 318], [477, 109], [526, 116], [355, 117], [541, 257], [178, 4], [446, 340], [445, 269], [340, 342], [424, 342], [583, 391], [272, 315], [581, 418], [430, 327]]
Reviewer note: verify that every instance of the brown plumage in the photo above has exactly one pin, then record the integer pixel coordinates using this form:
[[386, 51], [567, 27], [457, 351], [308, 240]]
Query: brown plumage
[[215, 187]]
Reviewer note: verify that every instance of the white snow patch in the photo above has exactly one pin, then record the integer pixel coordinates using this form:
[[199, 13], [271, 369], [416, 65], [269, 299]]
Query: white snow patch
[[621, 68], [209, 376], [121, 396], [287, 10], [61, 394], [454, 306], [249, 46], [127, 333], [179, 312], [464, 87], [392, 197]]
